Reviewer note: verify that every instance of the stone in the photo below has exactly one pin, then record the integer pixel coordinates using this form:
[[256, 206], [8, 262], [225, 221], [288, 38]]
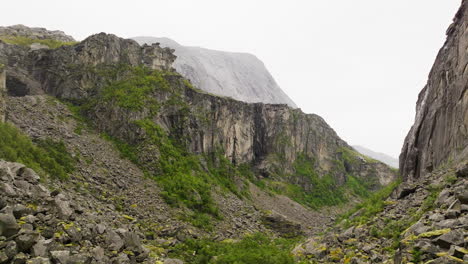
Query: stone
[[3, 257], [454, 237], [63, 206], [20, 210], [132, 242], [449, 223], [463, 197], [114, 241], [3, 203], [60, 256], [7, 189], [460, 252], [8, 225], [98, 253], [26, 240], [41, 247], [282, 225], [19, 259], [122, 258], [29, 175], [11, 249], [462, 172]]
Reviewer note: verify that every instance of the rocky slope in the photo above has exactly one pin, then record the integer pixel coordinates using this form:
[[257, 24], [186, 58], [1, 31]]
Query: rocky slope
[[425, 219], [390, 161], [240, 76], [440, 131], [156, 161]]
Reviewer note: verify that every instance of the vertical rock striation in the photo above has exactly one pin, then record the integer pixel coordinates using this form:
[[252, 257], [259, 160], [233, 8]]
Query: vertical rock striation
[[2, 92], [440, 131]]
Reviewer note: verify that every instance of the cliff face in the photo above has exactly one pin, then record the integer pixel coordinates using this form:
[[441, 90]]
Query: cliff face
[[270, 137], [241, 76], [440, 131], [2, 92]]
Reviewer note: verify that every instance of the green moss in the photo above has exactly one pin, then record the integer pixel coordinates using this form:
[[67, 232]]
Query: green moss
[[25, 41], [47, 157]]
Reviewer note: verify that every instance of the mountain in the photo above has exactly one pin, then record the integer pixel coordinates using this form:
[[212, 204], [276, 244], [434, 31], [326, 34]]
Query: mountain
[[241, 76], [424, 219], [390, 161], [109, 155]]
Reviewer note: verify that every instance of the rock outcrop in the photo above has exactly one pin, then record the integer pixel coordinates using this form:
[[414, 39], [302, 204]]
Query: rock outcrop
[[34, 33], [260, 134], [240, 76], [2, 92], [425, 218], [440, 131]]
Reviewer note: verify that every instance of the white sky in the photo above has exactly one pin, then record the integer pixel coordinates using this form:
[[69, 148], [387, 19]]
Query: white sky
[[359, 64]]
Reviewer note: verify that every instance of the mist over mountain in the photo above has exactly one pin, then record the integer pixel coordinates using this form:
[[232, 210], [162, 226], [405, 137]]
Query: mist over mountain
[[387, 159], [241, 76]]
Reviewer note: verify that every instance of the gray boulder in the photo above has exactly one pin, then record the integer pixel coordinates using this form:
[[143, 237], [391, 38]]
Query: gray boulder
[[8, 225]]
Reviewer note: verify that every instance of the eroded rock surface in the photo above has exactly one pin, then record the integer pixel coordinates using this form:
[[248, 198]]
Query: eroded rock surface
[[440, 131]]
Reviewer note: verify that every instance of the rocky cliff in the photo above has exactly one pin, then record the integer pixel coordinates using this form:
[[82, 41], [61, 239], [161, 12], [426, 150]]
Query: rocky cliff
[[240, 76], [425, 218], [2, 92], [137, 165], [258, 134], [34, 33], [440, 131]]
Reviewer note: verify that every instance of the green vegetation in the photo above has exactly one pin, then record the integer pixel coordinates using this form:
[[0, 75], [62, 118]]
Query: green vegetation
[[25, 41], [46, 158], [132, 87], [253, 249], [325, 191], [370, 207]]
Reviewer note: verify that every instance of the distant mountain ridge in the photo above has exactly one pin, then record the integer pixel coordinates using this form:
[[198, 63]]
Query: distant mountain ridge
[[241, 76], [387, 159]]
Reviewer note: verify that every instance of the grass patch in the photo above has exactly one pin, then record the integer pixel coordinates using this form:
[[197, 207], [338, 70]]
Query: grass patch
[[47, 157], [252, 249], [371, 206], [25, 41]]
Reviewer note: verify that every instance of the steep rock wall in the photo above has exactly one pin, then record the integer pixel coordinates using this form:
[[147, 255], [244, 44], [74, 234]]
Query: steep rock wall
[[440, 131], [270, 137], [2, 92]]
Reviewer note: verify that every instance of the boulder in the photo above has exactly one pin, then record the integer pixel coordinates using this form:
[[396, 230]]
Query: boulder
[[454, 237], [114, 241], [8, 225], [26, 240], [463, 197], [63, 206]]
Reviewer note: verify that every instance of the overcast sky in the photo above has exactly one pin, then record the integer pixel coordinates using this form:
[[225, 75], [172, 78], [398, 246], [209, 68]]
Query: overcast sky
[[359, 64]]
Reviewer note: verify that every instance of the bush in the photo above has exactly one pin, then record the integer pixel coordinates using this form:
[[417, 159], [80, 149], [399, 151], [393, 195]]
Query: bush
[[47, 157]]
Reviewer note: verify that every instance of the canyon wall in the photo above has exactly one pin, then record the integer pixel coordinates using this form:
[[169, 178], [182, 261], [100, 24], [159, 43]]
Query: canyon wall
[[440, 131]]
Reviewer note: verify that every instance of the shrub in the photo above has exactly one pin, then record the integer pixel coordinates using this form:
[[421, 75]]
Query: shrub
[[47, 157]]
